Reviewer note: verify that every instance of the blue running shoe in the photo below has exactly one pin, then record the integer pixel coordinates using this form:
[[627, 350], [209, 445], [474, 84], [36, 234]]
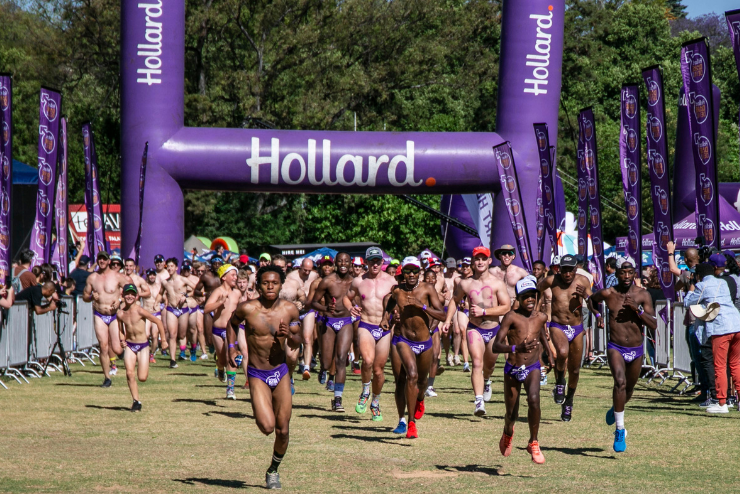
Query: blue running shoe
[[193, 357], [610, 417], [620, 443], [322, 377], [182, 355], [400, 428], [292, 387], [330, 385]]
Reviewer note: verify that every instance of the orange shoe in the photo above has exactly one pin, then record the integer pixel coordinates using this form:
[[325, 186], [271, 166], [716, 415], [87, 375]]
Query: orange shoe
[[534, 449], [505, 444], [419, 411], [411, 431]]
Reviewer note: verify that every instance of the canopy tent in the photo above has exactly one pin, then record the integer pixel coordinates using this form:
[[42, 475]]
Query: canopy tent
[[196, 243], [24, 174]]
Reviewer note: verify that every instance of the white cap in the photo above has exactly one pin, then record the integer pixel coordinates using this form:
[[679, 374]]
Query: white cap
[[621, 261], [525, 284], [411, 261]]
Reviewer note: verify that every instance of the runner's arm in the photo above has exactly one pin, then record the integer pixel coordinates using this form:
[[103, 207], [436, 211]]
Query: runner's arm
[[389, 303], [457, 297], [499, 344], [294, 338], [215, 301], [647, 317], [543, 340], [152, 318], [319, 295], [240, 314], [144, 291], [87, 292], [435, 308]]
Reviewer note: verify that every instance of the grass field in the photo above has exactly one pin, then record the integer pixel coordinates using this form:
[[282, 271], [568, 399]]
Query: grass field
[[67, 434]]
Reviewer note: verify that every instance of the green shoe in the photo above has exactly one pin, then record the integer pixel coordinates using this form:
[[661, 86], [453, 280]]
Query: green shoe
[[377, 416], [361, 406]]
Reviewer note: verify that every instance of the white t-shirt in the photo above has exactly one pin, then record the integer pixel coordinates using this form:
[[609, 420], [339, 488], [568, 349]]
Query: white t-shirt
[[587, 275]]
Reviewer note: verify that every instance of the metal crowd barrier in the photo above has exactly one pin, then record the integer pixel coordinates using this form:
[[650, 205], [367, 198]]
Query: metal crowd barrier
[[681, 352], [18, 327], [4, 348], [600, 338], [85, 331], [43, 338], [662, 345]]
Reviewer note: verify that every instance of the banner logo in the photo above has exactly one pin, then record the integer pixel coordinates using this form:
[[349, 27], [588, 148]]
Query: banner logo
[[704, 148], [588, 159], [632, 173], [632, 207], [550, 222], [86, 140], [524, 255], [709, 231], [632, 140], [6, 167], [588, 129], [548, 194], [581, 247], [513, 206], [43, 203], [4, 239], [545, 167], [47, 139], [4, 99], [581, 218], [49, 106], [665, 235], [541, 140], [596, 242], [504, 159], [658, 163], [509, 183], [540, 229], [541, 60], [40, 234], [95, 197], [698, 67], [592, 188], [519, 230], [594, 213], [6, 133], [701, 109], [662, 196], [597, 272], [666, 277], [4, 202], [45, 173], [630, 106], [632, 239], [653, 95], [582, 190], [707, 191], [655, 128]]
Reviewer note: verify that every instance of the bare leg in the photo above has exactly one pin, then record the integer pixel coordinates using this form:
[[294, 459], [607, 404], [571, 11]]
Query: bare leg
[[172, 331], [103, 335], [201, 333], [399, 373], [366, 346], [327, 349], [477, 349], [129, 358], [382, 348], [307, 329], [512, 387], [574, 366], [343, 342], [532, 385]]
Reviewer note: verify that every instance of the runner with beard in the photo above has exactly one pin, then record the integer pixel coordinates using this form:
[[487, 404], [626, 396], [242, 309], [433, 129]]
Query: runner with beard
[[326, 267]]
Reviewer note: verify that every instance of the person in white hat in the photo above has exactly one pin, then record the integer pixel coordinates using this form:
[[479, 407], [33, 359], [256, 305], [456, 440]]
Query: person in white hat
[[507, 271]]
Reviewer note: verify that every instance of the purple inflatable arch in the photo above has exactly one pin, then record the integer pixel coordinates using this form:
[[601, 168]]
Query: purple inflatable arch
[[152, 109]]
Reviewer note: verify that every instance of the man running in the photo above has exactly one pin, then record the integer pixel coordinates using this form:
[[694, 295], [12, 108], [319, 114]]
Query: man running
[[270, 322], [152, 304], [134, 319], [196, 303], [507, 271], [103, 288], [521, 334], [566, 328], [305, 276], [177, 309], [338, 336], [222, 303], [411, 354], [630, 307], [209, 281], [430, 276], [367, 292], [292, 291], [326, 267], [489, 300], [140, 283]]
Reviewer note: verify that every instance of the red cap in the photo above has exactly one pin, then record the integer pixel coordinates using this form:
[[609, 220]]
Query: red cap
[[399, 269], [481, 250], [244, 259]]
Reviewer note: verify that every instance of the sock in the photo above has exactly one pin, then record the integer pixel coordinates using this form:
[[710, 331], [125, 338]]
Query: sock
[[113, 361], [365, 389], [478, 398], [488, 382], [569, 396], [276, 459], [619, 416], [430, 382], [230, 378], [560, 377], [376, 400], [402, 420], [193, 347], [338, 389], [183, 348], [331, 377]]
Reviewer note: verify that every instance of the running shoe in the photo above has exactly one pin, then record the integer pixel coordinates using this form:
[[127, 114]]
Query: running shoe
[[466, 367], [230, 394], [731, 402], [400, 428], [411, 433], [566, 415], [440, 370], [272, 480], [430, 392], [182, 355], [487, 392], [336, 404], [480, 409], [375, 410], [173, 364], [211, 349], [620, 443], [330, 385], [193, 357], [717, 408], [322, 377], [165, 353], [106, 383], [306, 374], [356, 368], [457, 360], [292, 387], [152, 360], [113, 370], [505, 443], [533, 449], [204, 356], [559, 394], [710, 401], [136, 407], [450, 361], [419, 410], [543, 380], [610, 416], [361, 406]]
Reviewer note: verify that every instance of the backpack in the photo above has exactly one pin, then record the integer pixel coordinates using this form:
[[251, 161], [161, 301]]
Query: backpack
[[16, 282]]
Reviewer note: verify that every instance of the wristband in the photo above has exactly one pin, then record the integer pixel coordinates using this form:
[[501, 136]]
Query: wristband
[[641, 312], [597, 314], [513, 348], [671, 253], [231, 345], [484, 312], [424, 307]]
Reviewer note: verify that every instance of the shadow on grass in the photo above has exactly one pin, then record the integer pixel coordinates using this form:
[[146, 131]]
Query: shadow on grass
[[382, 430], [456, 416], [188, 374], [371, 439], [210, 403], [78, 385], [490, 471], [334, 418], [231, 415], [577, 451], [115, 409], [234, 484], [309, 407]]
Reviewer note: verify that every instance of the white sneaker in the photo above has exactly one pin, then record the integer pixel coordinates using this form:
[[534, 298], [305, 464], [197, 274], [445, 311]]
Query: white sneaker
[[113, 371], [230, 395], [466, 367], [430, 392], [543, 380], [480, 409], [457, 359], [449, 360], [204, 356], [717, 408], [487, 392]]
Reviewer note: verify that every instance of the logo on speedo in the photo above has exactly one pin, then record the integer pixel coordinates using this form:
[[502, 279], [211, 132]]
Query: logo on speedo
[[151, 51], [541, 59]]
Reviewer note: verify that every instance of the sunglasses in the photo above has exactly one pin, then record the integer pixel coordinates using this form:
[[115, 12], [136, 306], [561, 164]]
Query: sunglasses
[[509, 253], [411, 270]]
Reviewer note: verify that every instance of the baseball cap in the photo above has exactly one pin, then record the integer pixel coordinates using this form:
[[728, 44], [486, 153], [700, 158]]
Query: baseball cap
[[426, 254], [373, 253], [568, 261], [186, 265], [526, 284], [450, 262], [398, 270], [116, 257], [434, 262], [327, 259], [103, 255], [466, 260], [84, 260], [580, 258], [358, 261], [622, 261], [481, 250], [216, 259], [151, 271], [130, 287], [395, 262], [158, 258], [225, 269], [411, 261], [503, 248], [717, 260], [244, 259], [267, 256], [555, 261]]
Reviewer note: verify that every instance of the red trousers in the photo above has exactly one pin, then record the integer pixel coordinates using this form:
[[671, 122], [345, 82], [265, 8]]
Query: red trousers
[[726, 348]]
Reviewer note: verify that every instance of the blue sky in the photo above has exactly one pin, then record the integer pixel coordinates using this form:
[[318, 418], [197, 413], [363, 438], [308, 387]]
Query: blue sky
[[701, 7]]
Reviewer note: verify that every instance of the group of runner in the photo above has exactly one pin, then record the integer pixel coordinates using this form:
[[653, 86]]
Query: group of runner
[[346, 306]]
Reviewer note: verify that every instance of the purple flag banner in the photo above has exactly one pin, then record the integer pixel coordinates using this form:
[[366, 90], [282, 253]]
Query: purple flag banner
[[95, 218], [629, 160], [733, 24], [660, 189], [6, 180], [547, 190], [590, 159], [60, 255], [582, 216], [697, 79], [540, 224], [48, 150], [142, 183], [513, 198]]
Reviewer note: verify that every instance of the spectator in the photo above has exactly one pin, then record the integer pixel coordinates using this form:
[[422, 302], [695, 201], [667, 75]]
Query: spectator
[[722, 333], [79, 275], [653, 285], [23, 270], [611, 272], [36, 294], [719, 261], [69, 285]]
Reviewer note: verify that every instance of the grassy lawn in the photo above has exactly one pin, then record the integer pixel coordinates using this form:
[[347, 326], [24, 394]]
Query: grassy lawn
[[66, 434]]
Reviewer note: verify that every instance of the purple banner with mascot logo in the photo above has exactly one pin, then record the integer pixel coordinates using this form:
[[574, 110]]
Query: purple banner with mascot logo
[[513, 199], [582, 176], [547, 187], [60, 257], [629, 160], [6, 181], [591, 162], [660, 191], [48, 150], [142, 183], [733, 24], [95, 218], [697, 79]]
